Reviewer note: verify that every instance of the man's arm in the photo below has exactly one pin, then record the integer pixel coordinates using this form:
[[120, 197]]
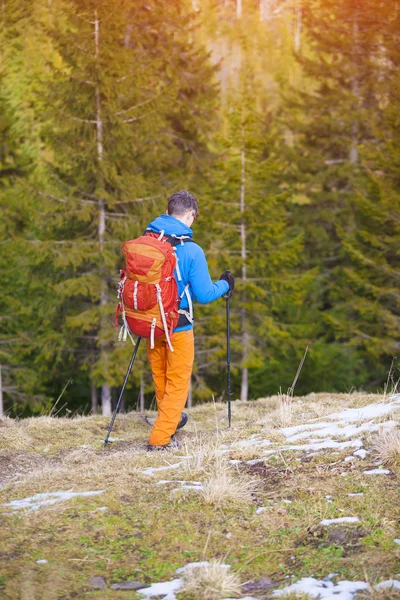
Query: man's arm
[[200, 281]]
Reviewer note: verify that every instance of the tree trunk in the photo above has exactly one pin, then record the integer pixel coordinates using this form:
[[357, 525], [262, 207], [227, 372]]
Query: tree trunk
[[105, 389], [1, 396], [265, 10], [106, 408], [355, 88], [245, 341], [298, 26], [141, 393], [239, 9], [95, 399]]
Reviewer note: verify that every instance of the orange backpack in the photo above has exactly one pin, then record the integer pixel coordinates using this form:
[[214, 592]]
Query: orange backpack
[[148, 292]]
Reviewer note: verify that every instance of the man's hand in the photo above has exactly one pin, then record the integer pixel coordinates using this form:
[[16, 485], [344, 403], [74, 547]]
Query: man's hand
[[229, 278]]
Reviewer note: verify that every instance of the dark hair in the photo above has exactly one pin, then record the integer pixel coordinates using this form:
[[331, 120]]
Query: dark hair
[[181, 202]]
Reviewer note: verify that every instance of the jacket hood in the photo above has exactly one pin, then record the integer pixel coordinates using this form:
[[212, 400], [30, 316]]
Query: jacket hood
[[170, 226]]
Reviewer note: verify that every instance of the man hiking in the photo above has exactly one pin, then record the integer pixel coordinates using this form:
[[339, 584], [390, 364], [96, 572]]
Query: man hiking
[[172, 370]]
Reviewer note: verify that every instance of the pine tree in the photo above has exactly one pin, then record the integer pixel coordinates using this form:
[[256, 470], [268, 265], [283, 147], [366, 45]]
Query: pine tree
[[128, 101], [367, 311], [22, 52], [327, 121], [251, 237]]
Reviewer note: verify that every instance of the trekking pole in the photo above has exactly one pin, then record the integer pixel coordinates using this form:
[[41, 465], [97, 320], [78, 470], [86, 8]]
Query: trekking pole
[[106, 441], [228, 354]]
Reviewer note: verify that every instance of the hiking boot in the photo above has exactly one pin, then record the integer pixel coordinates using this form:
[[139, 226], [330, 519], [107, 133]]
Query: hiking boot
[[172, 445], [182, 422]]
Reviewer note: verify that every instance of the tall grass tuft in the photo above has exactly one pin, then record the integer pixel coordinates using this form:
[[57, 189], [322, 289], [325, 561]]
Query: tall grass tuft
[[212, 581], [387, 447]]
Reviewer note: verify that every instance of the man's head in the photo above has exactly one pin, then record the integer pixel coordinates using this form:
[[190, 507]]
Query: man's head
[[184, 207]]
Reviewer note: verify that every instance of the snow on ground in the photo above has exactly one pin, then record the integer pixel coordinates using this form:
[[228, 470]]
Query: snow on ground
[[339, 520], [152, 470], [337, 431], [343, 590], [180, 481], [348, 425], [326, 589], [377, 472], [35, 502], [169, 588]]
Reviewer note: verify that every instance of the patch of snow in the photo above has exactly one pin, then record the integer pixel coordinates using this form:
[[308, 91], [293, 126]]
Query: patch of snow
[[349, 459], [343, 590], [195, 565], [377, 472], [372, 411], [287, 501], [159, 589], [361, 453], [390, 584], [319, 445], [181, 481], [354, 495], [328, 590], [328, 497], [151, 470], [397, 541], [339, 429], [101, 509], [260, 510], [235, 462], [250, 442], [188, 487], [340, 520], [170, 587], [35, 502], [344, 474], [245, 598], [42, 561]]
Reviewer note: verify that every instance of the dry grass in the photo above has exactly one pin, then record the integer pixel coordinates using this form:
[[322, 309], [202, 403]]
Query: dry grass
[[387, 447], [211, 582], [285, 410], [144, 528], [223, 486], [200, 457]]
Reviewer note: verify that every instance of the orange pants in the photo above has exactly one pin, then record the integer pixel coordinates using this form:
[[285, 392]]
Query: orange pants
[[171, 375]]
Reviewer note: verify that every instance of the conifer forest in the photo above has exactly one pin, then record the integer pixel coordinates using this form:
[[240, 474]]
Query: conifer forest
[[281, 116]]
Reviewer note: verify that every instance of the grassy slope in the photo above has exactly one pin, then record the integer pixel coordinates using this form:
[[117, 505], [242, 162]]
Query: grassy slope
[[148, 531]]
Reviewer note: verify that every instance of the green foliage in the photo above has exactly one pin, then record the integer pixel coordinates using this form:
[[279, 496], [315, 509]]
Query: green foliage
[[105, 112]]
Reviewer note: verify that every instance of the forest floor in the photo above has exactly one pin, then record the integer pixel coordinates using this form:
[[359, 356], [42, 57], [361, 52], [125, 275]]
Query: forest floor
[[81, 521]]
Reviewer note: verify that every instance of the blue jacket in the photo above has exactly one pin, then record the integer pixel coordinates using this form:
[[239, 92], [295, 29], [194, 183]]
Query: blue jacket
[[192, 264]]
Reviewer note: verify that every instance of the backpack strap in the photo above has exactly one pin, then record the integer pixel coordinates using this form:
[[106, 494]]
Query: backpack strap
[[174, 240]]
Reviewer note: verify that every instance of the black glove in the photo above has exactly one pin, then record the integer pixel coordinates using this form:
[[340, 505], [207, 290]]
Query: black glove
[[227, 276]]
